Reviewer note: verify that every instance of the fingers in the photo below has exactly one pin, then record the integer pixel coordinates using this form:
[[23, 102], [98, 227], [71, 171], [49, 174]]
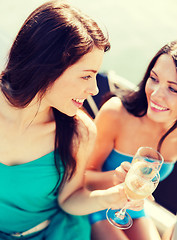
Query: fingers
[[135, 205], [126, 166], [151, 198], [123, 168], [120, 172]]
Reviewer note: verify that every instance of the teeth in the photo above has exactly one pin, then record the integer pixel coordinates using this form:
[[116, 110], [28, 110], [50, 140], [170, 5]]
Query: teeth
[[78, 100], [158, 107]]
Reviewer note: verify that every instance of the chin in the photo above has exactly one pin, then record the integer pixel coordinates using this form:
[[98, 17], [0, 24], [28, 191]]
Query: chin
[[69, 114], [157, 119]]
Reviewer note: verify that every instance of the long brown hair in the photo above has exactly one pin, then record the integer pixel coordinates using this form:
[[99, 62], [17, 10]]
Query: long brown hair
[[54, 36]]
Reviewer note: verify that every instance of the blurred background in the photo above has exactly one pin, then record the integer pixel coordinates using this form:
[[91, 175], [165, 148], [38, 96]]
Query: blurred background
[[137, 30]]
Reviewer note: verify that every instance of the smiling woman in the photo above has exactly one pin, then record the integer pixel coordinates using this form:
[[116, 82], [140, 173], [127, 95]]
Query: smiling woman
[[145, 116], [51, 70], [79, 80], [161, 91]]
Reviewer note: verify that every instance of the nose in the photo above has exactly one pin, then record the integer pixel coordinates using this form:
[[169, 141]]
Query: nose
[[158, 92], [93, 88]]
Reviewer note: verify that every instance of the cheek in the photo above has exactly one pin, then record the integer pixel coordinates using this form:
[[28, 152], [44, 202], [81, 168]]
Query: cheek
[[56, 96], [148, 90], [173, 103], [60, 89]]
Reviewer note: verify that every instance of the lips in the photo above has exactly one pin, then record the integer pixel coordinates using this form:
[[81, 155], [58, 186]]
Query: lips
[[78, 102], [156, 107]]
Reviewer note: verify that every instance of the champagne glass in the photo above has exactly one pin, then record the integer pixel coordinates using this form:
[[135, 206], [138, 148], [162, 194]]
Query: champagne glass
[[141, 180]]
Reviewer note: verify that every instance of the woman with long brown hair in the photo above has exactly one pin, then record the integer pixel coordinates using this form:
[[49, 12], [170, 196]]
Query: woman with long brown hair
[[45, 138], [146, 116]]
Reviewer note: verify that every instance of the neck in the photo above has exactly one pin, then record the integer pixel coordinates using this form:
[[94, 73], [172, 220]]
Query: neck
[[159, 128]]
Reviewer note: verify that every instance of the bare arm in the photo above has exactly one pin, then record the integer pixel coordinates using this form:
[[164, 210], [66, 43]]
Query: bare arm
[[107, 123], [76, 199]]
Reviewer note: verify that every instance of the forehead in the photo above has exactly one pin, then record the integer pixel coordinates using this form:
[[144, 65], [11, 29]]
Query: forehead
[[91, 60], [165, 64]]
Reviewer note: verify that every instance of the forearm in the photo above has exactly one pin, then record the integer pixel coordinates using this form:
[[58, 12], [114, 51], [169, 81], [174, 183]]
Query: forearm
[[104, 180], [99, 180], [110, 194], [84, 201]]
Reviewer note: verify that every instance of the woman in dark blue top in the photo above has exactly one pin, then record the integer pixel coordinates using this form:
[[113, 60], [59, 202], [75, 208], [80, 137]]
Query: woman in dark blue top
[[146, 116]]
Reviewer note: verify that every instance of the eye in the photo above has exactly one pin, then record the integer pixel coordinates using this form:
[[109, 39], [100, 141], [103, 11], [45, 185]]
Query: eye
[[87, 77], [153, 79], [172, 89]]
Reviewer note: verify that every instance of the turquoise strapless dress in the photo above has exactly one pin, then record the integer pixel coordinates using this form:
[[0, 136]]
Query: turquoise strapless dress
[[28, 196], [113, 161]]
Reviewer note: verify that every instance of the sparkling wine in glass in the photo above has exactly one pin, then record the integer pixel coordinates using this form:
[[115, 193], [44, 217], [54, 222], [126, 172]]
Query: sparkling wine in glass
[[141, 180]]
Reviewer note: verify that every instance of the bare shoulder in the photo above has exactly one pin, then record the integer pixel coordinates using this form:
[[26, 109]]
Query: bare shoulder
[[112, 111], [169, 147]]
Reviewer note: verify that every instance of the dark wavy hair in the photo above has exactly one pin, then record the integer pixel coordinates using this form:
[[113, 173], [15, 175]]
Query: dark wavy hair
[[53, 37], [136, 102]]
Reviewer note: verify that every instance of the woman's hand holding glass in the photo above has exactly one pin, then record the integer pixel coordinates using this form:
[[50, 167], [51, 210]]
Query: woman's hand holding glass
[[119, 197], [140, 181], [116, 197]]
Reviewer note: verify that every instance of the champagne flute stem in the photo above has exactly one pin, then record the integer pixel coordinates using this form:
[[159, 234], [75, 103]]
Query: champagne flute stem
[[121, 213]]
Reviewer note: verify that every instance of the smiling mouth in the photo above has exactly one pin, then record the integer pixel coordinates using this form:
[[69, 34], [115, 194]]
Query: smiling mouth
[[158, 107], [78, 100]]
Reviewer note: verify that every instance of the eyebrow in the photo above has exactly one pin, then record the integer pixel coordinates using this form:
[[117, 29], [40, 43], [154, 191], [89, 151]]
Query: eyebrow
[[154, 73], [90, 70], [171, 82]]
